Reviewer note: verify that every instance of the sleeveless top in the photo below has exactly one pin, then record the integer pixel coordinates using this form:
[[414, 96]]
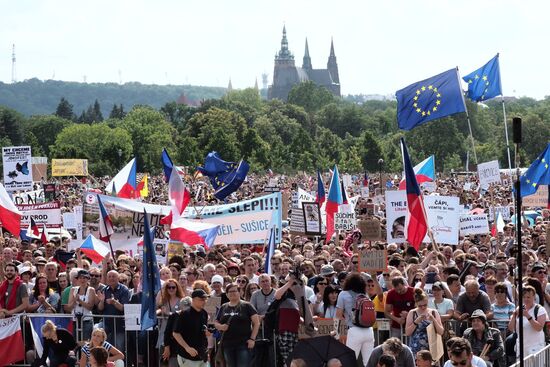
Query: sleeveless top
[[81, 310]]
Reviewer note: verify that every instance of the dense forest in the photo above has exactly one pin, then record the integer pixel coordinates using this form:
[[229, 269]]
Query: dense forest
[[36, 97], [313, 130]]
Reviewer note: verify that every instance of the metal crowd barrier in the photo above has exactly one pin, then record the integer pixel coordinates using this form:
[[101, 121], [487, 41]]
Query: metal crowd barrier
[[539, 359], [139, 347]]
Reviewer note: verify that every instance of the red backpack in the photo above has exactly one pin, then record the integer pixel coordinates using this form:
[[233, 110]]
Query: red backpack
[[363, 312]]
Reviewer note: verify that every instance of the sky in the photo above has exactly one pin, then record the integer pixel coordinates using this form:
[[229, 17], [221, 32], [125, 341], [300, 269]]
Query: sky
[[381, 46]]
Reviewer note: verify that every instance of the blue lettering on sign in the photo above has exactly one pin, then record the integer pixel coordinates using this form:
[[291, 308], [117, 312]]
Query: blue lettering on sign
[[225, 230], [255, 225]]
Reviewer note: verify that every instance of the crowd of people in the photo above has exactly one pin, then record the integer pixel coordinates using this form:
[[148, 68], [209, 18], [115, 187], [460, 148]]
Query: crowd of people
[[456, 305]]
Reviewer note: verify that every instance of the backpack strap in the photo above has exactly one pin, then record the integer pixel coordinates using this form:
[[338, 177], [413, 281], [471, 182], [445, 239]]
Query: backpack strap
[[536, 312]]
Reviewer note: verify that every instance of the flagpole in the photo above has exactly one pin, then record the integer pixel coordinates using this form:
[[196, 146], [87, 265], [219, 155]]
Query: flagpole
[[468, 119]]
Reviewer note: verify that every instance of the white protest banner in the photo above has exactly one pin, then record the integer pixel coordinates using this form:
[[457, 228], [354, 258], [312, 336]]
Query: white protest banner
[[503, 210], [29, 197], [365, 192], [17, 168], [47, 213], [246, 221], [396, 211], [345, 221], [428, 186], [132, 317], [300, 196], [353, 201], [371, 260], [69, 221], [443, 218], [538, 200], [488, 173], [467, 186], [473, 224], [77, 210], [346, 180]]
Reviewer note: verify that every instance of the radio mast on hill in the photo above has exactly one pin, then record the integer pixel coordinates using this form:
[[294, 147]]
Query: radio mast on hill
[[13, 78]]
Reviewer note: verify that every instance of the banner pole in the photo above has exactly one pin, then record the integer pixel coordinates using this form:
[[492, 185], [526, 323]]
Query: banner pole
[[471, 136]]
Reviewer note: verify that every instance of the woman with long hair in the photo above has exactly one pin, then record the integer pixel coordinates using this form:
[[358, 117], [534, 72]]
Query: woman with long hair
[[99, 340], [328, 307], [43, 298], [239, 322], [360, 339], [418, 320], [98, 357], [242, 281], [317, 300], [168, 302], [250, 288]]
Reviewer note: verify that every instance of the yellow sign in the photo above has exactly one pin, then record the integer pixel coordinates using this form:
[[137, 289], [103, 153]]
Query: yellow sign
[[69, 167]]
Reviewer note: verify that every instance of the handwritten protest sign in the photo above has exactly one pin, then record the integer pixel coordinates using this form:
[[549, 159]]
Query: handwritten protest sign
[[370, 229], [371, 260], [489, 173], [473, 224], [538, 200], [344, 221]]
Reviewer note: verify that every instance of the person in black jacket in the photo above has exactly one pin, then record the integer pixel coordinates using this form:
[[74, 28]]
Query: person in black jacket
[[58, 343]]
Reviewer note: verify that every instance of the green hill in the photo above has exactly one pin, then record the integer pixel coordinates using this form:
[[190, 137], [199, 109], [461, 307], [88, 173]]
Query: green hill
[[33, 96]]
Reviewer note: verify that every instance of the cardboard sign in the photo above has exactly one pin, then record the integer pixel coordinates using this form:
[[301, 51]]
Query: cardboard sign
[[312, 218], [503, 210], [473, 224], [132, 317], [297, 222], [370, 229], [211, 307], [39, 168], [538, 200], [17, 168], [488, 172], [371, 260], [345, 221]]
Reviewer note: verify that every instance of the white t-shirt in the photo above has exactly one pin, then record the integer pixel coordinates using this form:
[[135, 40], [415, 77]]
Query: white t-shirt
[[443, 307], [533, 341], [476, 362]]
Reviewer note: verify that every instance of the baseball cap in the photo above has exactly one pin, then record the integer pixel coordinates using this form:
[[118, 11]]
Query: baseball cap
[[199, 293], [217, 278], [478, 314], [83, 273]]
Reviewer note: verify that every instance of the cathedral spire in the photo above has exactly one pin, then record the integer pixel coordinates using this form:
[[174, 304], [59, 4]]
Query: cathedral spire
[[229, 86], [332, 65], [284, 53], [307, 59]]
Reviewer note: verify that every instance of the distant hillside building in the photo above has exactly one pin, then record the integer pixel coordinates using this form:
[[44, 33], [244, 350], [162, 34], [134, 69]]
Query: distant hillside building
[[286, 74]]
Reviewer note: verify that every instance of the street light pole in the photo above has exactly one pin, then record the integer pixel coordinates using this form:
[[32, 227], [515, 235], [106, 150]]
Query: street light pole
[[380, 164]]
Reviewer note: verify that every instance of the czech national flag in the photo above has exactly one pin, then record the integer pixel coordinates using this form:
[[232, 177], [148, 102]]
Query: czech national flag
[[36, 327], [417, 226], [106, 228], [424, 172], [10, 216], [125, 182], [320, 190], [179, 197], [33, 229], [95, 249], [366, 180], [44, 235], [11, 341], [333, 202], [193, 232]]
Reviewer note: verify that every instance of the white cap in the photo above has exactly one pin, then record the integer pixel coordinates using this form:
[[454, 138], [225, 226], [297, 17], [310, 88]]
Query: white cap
[[217, 278]]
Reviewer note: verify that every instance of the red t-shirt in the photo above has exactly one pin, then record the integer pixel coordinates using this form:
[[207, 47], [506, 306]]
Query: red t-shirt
[[400, 303]]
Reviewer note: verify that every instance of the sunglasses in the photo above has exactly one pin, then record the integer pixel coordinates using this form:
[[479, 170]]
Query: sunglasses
[[541, 272], [500, 291], [322, 283], [355, 262], [241, 281], [95, 276], [171, 287]]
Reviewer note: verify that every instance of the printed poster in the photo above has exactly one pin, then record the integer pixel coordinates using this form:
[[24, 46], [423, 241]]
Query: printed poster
[[17, 168]]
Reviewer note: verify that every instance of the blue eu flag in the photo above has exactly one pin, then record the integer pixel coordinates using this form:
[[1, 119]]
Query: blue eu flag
[[150, 280], [537, 174], [429, 99], [484, 83]]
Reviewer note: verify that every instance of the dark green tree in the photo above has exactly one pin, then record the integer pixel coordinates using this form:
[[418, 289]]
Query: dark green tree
[[11, 125], [45, 128], [117, 112], [310, 96], [65, 110]]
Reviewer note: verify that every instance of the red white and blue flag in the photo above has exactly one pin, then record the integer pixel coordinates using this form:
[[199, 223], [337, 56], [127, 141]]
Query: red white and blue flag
[[333, 202], [344, 194], [33, 229], [417, 225], [36, 328], [95, 249], [424, 172], [179, 197], [11, 341], [10, 216], [125, 182], [44, 235], [106, 228], [193, 232], [320, 190]]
